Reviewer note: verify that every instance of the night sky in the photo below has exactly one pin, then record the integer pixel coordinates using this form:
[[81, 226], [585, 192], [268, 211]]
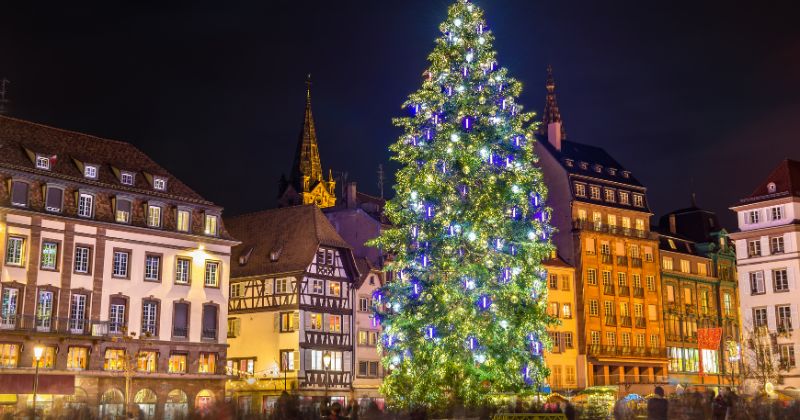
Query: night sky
[[688, 95]]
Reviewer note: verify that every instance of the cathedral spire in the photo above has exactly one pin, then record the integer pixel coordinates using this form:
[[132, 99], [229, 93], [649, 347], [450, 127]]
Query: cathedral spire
[[552, 126], [306, 160]]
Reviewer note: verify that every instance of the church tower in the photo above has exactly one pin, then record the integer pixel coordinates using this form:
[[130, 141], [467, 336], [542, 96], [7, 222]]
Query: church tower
[[307, 184]]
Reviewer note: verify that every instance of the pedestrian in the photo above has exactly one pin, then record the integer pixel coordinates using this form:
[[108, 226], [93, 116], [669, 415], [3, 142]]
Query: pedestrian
[[569, 411], [657, 406], [720, 405], [335, 412]]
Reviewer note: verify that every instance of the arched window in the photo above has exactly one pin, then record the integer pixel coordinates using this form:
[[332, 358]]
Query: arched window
[[177, 405], [112, 404], [204, 401]]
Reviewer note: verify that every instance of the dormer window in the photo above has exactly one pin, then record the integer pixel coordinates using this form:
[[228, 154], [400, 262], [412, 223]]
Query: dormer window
[[598, 168], [210, 225], [612, 171], [42, 162], [126, 178], [584, 165], [159, 184], [569, 162], [610, 196], [624, 197], [626, 174], [771, 187], [90, 171], [638, 200]]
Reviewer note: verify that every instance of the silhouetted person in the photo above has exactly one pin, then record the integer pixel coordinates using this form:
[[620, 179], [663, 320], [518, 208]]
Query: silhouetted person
[[658, 406]]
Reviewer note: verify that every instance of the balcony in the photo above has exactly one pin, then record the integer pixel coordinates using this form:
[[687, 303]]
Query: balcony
[[640, 322], [622, 260], [636, 262], [626, 321], [183, 332], [608, 289], [611, 320], [606, 350], [624, 291], [64, 326], [605, 258], [209, 334], [614, 230], [638, 292]]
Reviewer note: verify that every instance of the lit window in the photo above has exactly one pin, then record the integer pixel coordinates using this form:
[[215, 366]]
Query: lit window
[[651, 283], [86, 205], [666, 263], [9, 355], [334, 288], [317, 357], [686, 266], [610, 196], [776, 245], [159, 184], [153, 216], [670, 293], [335, 323], [624, 197], [237, 290], [15, 250], [126, 178], [49, 255], [48, 359], [317, 286], [595, 338], [752, 217], [288, 361], [594, 190], [211, 225], [207, 363], [754, 248], [594, 309], [43, 163], [638, 200], [212, 274], [123, 211], [289, 321], [90, 171], [146, 361], [182, 224], [183, 270], [149, 318], [114, 360], [580, 190], [315, 322], [77, 358], [177, 363]]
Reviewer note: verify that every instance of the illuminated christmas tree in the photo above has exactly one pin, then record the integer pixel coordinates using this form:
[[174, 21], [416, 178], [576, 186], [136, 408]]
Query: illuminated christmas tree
[[464, 317]]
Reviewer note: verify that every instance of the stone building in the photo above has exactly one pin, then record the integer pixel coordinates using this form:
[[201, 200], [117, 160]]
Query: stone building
[[562, 359], [601, 212], [116, 268], [768, 260], [290, 310], [699, 291]]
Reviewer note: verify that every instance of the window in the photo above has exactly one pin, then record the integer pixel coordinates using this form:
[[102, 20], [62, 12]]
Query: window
[[754, 248], [123, 211], [567, 339], [597, 220], [180, 319], [77, 313], [640, 341], [49, 255], [582, 215], [752, 217], [334, 288], [19, 193], [595, 338], [183, 219], [638, 200], [666, 263], [554, 281], [209, 322], [42, 163], [288, 361], [282, 286], [207, 363], [648, 254], [363, 304], [702, 269], [44, 310], [153, 216], [622, 279], [759, 317], [787, 356], [652, 312], [608, 308], [783, 315], [152, 267], [565, 282], [757, 283], [594, 309], [159, 184], [670, 293], [367, 368], [314, 321], [704, 302], [611, 338], [317, 360], [776, 245], [48, 359], [116, 318], [367, 338], [626, 339], [638, 310], [9, 355], [177, 363], [234, 325], [654, 340], [212, 274], [610, 196], [686, 266], [612, 220], [90, 171], [317, 286], [8, 310], [289, 321], [146, 361], [780, 280], [211, 225], [595, 192], [82, 258], [237, 290], [77, 358], [15, 250], [552, 309], [651, 283], [114, 360], [149, 318], [606, 278], [776, 213], [624, 198], [335, 323], [624, 309], [566, 310], [183, 269], [591, 276], [126, 178], [580, 190], [687, 295], [120, 268], [85, 205], [726, 303], [54, 199]]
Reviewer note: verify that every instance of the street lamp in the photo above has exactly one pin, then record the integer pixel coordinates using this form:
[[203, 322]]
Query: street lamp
[[326, 363], [38, 350]]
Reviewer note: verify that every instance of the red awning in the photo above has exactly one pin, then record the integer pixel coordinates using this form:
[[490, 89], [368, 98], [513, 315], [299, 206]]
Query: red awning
[[22, 383]]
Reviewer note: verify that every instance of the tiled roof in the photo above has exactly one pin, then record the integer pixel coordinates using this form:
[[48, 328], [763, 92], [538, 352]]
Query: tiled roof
[[556, 262], [592, 155], [292, 233], [21, 141], [786, 178]]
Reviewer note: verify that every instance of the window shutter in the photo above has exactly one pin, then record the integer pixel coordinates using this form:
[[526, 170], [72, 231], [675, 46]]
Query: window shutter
[[347, 365], [326, 322], [296, 321], [54, 198], [620, 248], [590, 245], [307, 325], [345, 324], [124, 205], [297, 360], [19, 193], [306, 360], [277, 321], [561, 344]]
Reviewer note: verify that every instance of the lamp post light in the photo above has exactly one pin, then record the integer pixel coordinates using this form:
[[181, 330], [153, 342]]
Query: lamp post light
[[326, 363], [38, 350]]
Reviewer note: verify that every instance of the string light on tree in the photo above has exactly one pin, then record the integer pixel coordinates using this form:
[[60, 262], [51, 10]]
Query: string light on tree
[[469, 232]]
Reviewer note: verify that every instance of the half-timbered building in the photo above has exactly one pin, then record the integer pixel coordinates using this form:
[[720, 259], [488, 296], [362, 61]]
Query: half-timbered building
[[290, 309]]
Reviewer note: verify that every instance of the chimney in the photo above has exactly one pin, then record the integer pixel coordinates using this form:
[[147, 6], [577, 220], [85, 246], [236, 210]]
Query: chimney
[[351, 195], [554, 134], [672, 227]]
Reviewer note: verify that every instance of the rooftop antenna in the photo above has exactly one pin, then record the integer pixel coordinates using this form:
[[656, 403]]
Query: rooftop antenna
[[3, 91], [380, 178]]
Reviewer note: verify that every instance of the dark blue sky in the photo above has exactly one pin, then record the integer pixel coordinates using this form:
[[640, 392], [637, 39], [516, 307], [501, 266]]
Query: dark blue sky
[[703, 93]]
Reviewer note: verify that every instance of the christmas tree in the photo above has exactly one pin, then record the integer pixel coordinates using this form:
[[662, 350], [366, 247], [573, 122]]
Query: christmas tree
[[464, 316]]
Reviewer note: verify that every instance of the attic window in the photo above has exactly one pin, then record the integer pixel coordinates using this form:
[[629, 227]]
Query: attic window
[[42, 162], [159, 183], [584, 165], [126, 178], [612, 171], [771, 187], [90, 171], [569, 162], [626, 174], [598, 168], [246, 256], [275, 254]]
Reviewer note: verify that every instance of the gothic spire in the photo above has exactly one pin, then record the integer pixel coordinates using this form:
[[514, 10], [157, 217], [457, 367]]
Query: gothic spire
[[551, 112], [306, 160]]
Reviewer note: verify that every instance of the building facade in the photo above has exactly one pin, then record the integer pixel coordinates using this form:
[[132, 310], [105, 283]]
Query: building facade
[[113, 266], [290, 309], [768, 259], [699, 291], [601, 212], [562, 359]]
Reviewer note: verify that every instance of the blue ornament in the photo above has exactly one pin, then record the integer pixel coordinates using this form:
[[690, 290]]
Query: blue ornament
[[430, 332], [484, 302]]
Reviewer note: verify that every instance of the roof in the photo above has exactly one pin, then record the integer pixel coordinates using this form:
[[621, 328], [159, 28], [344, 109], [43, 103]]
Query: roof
[[592, 155], [556, 262], [292, 233], [21, 141], [786, 180], [683, 245]]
